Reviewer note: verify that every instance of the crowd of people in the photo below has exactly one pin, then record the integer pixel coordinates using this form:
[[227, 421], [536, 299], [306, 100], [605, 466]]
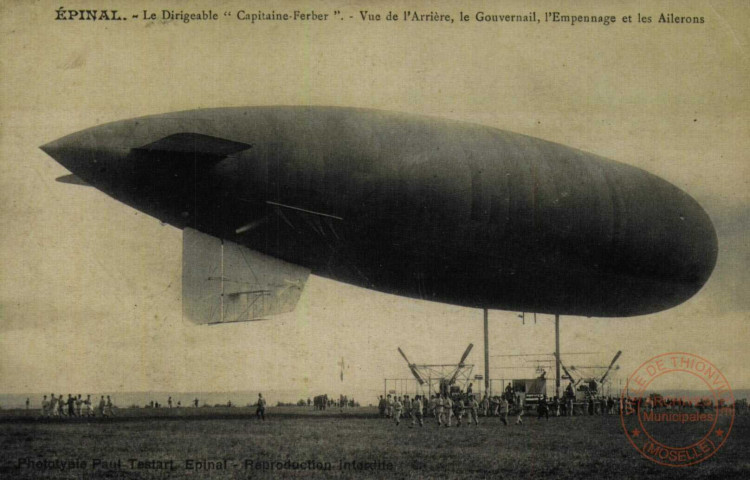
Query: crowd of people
[[449, 407], [76, 406]]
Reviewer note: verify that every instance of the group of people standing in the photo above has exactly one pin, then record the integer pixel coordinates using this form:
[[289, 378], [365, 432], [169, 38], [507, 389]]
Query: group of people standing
[[76, 406], [444, 408]]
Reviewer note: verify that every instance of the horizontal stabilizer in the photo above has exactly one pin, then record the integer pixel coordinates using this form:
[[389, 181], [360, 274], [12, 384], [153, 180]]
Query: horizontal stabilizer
[[223, 282], [72, 180], [195, 143]]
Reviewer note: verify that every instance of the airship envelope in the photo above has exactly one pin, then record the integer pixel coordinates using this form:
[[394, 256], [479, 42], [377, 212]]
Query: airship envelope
[[415, 206]]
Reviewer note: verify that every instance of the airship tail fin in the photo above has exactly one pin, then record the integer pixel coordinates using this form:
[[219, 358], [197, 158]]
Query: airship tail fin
[[223, 282]]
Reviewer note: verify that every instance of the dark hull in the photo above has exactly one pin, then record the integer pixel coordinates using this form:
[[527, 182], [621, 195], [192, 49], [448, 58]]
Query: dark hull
[[416, 206]]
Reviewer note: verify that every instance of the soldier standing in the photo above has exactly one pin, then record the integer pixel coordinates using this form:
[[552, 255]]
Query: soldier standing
[[397, 408], [108, 408], [389, 407], [417, 411], [509, 392], [71, 406], [542, 409], [447, 410], [260, 411], [79, 405], [496, 403], [473, 410], [458, 410], [504, 408], [439, 405], [45, 407], [519, 405]]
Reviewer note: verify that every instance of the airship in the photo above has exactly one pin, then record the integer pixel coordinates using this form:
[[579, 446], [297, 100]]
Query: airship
[[416, 206]]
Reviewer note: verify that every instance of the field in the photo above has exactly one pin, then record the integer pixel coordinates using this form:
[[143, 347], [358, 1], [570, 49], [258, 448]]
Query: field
[[332, 444]]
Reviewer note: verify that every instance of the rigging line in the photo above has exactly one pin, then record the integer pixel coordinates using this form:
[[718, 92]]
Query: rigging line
[[310, 224], [247, 262], [248, 307], [303, 210], [286, 220]]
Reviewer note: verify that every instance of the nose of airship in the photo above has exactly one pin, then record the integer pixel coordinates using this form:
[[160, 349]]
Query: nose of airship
[[71, 151], [55, 150], [88, 154]]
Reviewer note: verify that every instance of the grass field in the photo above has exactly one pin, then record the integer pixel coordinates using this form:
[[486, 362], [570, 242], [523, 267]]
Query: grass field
[[577, 447]]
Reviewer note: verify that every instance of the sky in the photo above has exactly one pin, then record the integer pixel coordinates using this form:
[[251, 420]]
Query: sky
[[90, 288]]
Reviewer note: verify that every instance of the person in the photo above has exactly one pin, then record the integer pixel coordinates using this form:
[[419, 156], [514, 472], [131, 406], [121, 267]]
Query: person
[[169, 402], [459, 409], [439, 405], [555, 406], [102, 404], [61, 405], [195, 402], [470, 389], [496, 402], [509, 392], [381, 406], [473, 410], [108, 408], [417, 411], [389, 406], [397, 407], [71, 406], [52, 405], [504, 409], [519, 406], [79, 405], [45, 407], [542, 409], [447, 410], [27, 403], [88, 407], [485, 405], [260, 411]]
